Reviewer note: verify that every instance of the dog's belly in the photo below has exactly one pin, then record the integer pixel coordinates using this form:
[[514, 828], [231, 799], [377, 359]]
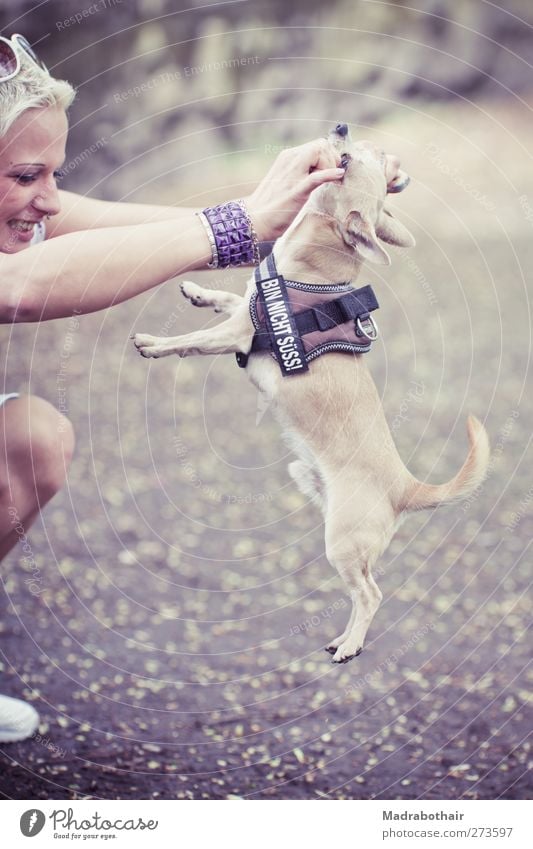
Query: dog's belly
[[334, 415], [335, 397]]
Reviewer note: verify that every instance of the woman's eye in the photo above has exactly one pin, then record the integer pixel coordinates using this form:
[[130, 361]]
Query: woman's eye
[[58, 175], [24, 179]]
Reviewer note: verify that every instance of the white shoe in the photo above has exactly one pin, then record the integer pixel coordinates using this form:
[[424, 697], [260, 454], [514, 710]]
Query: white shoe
[[18, 720]]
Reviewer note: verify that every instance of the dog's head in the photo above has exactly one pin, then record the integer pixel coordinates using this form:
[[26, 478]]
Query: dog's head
[[357, 202]]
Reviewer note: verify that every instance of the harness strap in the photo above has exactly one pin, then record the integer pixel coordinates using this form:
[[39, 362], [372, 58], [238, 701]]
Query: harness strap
[[351, 306], [325, 316], [355, 305], [266, 268], [280, 322]]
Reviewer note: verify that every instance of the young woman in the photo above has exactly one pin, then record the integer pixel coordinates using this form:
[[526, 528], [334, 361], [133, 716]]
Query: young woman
[[61, 253]]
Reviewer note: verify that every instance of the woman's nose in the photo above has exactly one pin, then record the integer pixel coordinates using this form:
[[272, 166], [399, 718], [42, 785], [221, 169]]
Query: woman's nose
[[47, 201]]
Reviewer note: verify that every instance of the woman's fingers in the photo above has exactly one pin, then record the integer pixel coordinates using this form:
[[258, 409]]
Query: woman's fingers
[[326, 175], [323, 155], [315, 155], [294, 175], [315, 179]]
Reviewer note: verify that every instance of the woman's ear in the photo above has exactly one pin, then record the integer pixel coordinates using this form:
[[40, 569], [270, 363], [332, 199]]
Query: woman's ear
[[360, 234], [393, 232]]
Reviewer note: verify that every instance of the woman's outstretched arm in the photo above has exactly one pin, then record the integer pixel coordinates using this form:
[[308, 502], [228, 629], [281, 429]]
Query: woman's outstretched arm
[[90, 269], [274, 203], [93, 269]]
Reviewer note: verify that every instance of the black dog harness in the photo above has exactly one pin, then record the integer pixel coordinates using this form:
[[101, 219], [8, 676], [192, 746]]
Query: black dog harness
[[298, 322]]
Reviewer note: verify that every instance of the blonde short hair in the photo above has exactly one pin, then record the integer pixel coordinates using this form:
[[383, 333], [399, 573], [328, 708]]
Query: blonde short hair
[[31, 88]]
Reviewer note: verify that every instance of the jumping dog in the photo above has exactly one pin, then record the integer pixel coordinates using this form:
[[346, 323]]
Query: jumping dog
[[347, 461]]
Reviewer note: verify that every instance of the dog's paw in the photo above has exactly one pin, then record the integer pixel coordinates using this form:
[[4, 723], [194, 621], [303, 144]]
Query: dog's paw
[[193, 293], [188, 289], [146, 345], [345, 652], [143, 340], [332, 647]]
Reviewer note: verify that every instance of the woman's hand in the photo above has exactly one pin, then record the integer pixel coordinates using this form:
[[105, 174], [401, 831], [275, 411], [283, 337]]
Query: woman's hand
[[296, 172]]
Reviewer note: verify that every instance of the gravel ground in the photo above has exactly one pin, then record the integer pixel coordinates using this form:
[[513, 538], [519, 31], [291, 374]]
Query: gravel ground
[[171, 631]]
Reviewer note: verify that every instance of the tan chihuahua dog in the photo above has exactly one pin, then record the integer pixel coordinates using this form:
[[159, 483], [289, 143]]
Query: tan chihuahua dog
[[348, 463]]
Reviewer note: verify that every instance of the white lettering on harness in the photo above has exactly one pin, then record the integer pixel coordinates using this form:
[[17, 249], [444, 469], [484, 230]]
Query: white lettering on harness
[[289, 352], [276, 308], [280, 321]]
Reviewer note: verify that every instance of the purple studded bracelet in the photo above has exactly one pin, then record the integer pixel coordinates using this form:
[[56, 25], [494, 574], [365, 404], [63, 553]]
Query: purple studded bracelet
[[231, 235]]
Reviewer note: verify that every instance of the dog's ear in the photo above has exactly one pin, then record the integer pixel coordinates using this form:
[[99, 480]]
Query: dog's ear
[[392, 231], [360, 234], [397, 180]]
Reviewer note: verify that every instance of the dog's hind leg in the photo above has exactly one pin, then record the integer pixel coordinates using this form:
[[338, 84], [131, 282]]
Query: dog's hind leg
[[225, 302], [334, 645], [366, 598], [353, 555]]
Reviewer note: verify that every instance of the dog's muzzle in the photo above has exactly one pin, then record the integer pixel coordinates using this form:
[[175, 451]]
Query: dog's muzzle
[[342, 130]]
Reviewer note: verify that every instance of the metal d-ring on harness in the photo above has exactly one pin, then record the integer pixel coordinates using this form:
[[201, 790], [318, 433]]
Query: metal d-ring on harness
[[297, 322]]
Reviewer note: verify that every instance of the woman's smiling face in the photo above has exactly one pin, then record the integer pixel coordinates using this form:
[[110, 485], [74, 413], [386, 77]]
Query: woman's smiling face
[[30, 156]]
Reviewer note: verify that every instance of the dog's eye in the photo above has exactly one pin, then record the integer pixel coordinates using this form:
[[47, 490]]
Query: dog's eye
[[345, 159]]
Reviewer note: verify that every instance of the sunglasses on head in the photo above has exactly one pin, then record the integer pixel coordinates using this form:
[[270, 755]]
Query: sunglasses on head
[[10, 50]]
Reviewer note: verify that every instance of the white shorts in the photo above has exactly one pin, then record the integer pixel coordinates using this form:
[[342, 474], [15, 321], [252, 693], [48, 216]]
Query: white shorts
[[4, 398]]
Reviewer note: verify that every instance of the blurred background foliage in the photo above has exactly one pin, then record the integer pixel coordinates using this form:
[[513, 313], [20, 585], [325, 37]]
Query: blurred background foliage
[[162, 86]]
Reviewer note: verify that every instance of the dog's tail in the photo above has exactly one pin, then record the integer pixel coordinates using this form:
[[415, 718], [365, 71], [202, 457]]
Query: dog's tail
[[420, 496]]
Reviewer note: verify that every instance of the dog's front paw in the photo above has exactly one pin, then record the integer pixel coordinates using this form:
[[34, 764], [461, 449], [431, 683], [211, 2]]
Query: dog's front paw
[[143, 340], [146, 345], [195, 294], [345, 652], [190, 291]]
